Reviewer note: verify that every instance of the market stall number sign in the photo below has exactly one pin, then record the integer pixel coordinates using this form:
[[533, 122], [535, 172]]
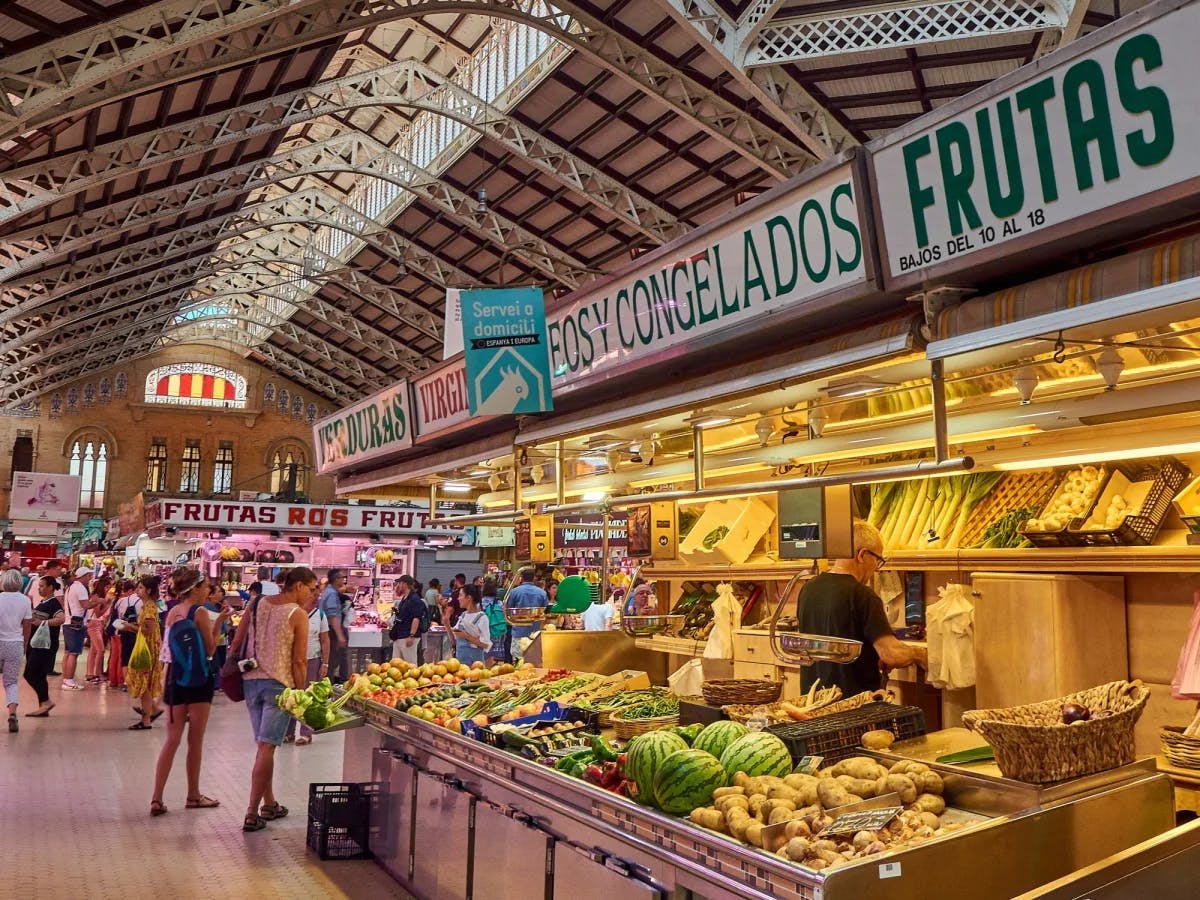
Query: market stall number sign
[[504, 336], [1107, 125]]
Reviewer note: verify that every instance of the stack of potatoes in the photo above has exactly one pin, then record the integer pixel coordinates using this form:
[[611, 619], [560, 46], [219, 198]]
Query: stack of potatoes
[[803, 801]]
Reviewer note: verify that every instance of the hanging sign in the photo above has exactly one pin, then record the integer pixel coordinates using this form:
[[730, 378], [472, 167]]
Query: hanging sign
[[440, 398], [370, 429], [452, 329], [653, 530], [1106, 130], [44, 497], [205, 515], [587, 532], [508, 369]]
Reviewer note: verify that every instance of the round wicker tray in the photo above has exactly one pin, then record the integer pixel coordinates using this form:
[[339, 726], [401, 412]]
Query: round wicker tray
[[1180, 749], [626, 729], [741, 691]]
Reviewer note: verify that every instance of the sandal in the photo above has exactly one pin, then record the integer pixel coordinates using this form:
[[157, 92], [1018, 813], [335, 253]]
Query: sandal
[[202, 802], [157, 808], [138, 710], [41, 713], [156, 715], [253, 823], [274, 811], [139, 726]]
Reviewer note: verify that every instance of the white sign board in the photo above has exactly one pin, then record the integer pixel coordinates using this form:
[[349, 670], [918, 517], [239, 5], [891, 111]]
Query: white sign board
[[375, 427], [44, 497], [440, 397], [1049, 151], [210, 515], [452, 329]]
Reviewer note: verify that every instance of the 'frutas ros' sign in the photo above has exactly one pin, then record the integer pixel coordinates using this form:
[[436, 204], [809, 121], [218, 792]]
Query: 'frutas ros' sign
[[370, 428], [1071, 140]]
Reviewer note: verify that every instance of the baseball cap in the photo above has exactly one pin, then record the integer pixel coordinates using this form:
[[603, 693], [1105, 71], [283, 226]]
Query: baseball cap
[[81, 571]]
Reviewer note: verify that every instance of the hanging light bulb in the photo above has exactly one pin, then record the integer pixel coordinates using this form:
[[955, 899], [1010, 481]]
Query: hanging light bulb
[[538, 474], [1110, 364], [494, 481], [612, 458], [817, 417], [764, 428], [1026, 382]]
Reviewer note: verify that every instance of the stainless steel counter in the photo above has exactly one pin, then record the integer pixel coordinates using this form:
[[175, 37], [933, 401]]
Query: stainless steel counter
[[563, 837]]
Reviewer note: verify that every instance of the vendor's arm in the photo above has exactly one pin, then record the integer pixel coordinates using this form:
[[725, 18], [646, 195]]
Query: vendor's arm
[[896, 654]]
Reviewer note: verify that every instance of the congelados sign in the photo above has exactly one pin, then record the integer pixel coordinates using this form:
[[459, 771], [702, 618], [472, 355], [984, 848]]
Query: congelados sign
[[805, 243], [371, 428], [1113, 122]]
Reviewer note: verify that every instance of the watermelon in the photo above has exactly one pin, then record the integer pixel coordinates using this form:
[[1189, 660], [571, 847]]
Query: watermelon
[[719, 735], [757, 753], [686, 780], [645, 754]]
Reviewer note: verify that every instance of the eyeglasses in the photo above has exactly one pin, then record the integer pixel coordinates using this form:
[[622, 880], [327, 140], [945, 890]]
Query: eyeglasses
[[880, 561]]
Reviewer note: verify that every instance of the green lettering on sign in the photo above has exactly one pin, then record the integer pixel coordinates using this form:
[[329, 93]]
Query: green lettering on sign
[[1001, 204], [954, 138], [919, 198], [1142, 150], [1033, 100], [1085, 129]]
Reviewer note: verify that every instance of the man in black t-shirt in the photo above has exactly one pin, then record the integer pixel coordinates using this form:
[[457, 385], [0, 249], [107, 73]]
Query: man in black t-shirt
[[838, 603]]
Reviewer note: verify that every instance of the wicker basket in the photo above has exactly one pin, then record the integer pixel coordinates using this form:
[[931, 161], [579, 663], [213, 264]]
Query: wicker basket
[[855, 702], [1033, 745], [741, 691], [627, 729], [1180, 749]]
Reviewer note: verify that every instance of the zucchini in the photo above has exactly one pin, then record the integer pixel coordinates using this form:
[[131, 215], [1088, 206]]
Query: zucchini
[[962, 757]]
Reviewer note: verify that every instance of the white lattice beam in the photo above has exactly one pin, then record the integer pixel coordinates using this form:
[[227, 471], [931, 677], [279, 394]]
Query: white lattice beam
[[898, 25]]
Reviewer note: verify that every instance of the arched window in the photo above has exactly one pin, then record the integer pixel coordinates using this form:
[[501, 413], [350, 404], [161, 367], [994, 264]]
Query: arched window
[[89, 461], [285, 457], [196, 384]]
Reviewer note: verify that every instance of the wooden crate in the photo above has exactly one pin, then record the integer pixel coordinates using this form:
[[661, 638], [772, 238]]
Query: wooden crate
[[1030, 490]]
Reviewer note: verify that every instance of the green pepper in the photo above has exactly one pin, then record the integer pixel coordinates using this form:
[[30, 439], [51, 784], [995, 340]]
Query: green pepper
[[579, 766], [688, 732], [567, 761], [602, 750]]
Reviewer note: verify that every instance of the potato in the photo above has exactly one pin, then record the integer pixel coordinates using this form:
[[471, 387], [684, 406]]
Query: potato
[[858, 786], [797, 781], [730, 801], [863, 768], [816, 864], [863, 839], [832, 794], [878, 740], [908, 766], [757, 802], [847, 766], [930, 803], [805, 786], [707, 817], [771, 805], [737, 821], [824, 844], [929, 819], [753, 835], [728, 791], [783, 792], [780, 814], [796, 828], [930, 783], [797, 849], [902, 785]]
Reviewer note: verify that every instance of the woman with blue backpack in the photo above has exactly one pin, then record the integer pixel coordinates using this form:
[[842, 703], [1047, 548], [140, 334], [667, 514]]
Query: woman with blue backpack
[[190, 641]]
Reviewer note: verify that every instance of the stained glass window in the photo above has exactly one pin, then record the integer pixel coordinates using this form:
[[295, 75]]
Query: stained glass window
[[196, 384]]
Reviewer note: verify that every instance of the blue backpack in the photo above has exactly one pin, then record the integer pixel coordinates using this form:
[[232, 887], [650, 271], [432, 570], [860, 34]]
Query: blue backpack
[[189, 661]]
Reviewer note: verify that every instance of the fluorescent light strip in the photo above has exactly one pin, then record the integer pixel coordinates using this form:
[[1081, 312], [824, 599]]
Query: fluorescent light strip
[[1082, 457], [455, 487]]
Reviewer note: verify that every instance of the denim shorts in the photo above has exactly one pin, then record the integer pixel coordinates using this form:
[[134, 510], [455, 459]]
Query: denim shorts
[[73, 637], [270, 723]]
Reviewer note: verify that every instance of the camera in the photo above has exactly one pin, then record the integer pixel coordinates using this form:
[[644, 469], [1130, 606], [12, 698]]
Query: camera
[[247, 665]]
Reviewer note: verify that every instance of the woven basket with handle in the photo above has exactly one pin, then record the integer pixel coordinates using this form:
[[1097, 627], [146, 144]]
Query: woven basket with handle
[[740, 691], [1179, 748], [625, 729], [1033, 745]]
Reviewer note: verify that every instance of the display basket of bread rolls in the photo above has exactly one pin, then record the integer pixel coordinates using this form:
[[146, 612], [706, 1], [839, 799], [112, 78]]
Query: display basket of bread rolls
[[1069, 737]]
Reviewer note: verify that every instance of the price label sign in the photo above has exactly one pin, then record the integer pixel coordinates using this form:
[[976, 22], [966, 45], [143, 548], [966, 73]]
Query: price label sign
[[867, 820], [808, 765]]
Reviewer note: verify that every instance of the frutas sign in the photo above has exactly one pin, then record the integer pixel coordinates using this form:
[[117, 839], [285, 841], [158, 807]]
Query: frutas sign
[[1110, 123], [371, 428], [249, 516], [803, 244]]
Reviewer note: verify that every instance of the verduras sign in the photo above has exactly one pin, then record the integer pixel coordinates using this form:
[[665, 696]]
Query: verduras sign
[[806, 241], [371, 428], [1046, 152], [201, 515]]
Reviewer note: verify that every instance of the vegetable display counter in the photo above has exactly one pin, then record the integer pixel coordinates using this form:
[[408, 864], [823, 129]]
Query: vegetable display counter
[[493, 824]]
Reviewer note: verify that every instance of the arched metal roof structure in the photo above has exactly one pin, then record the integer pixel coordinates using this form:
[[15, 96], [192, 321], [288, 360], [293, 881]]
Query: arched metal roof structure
[[302, 179]]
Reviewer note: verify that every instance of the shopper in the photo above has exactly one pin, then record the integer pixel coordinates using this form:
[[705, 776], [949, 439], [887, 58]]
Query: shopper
[[278, 636], [122, 620], [187, 704], [146, 685], [215, 604], [525, 595], [433, 594], [497, 625], [97, 623], [318, 662], [331, 604], [77, 602], [840, 604], [39, 661], [472, 634], [408, 615], [643, 602], [16, 611], [598, 616]]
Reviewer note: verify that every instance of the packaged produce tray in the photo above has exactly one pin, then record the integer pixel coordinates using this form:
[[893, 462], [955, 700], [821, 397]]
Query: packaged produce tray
[[1149, 492], [1092, 480], [551, 712], [838, 736]]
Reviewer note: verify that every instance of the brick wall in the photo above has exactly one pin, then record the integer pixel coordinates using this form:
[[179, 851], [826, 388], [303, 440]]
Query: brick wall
[[130, 424]]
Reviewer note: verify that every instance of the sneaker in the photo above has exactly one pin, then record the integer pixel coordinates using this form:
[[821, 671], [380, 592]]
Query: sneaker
[[71, 686], [12, 723]]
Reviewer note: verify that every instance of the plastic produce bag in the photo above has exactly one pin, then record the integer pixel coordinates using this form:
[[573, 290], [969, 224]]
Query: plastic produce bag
[[950, 629], [687, 679], [140, 659], [1186, 683], [41, 638], [727, 616]]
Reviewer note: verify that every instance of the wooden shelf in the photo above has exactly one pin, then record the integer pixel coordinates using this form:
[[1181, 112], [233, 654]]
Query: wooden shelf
[[754, 570], [679, 646], [1067, 560]]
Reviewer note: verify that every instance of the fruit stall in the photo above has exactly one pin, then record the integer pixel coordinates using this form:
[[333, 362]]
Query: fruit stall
[[593, 778]]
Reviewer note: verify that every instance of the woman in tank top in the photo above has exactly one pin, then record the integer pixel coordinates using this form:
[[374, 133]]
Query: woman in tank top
[[277, 641]]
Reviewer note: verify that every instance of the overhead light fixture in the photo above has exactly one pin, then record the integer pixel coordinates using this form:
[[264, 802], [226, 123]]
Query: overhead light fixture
[[817, 418], [1026, 382], [1110, 364], [479, 473], [1083, 457], [709, 420], [594, 496], [494, 481], [603, 442], [764, 428], [856, 387], [481, 206], [456, 487], [537, 474]]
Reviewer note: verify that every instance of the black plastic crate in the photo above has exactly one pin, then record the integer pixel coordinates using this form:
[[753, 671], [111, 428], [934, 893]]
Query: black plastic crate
[[839, 736], [1139, 530], [343, 805], [339, 841]]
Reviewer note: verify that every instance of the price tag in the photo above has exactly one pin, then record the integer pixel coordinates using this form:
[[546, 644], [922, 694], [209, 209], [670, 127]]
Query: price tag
[[808, 765], [867, 820], [889, 870]]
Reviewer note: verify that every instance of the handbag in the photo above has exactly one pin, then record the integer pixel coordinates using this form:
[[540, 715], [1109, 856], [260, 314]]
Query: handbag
[[230, 676], [41, 638]]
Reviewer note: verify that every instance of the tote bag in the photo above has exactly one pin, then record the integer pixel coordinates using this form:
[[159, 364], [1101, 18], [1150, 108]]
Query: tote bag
[[41, 638]]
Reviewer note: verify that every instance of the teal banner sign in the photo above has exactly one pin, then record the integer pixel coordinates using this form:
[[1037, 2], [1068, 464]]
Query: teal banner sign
[[504, 342]]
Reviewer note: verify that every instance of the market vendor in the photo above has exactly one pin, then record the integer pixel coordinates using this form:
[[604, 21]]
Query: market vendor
[[525, 594], [839, 603]]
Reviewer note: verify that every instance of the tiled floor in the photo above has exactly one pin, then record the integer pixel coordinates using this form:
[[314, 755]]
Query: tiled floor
[[74, 811]]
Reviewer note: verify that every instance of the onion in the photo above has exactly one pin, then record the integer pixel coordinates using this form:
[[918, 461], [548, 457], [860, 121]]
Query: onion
[[1075, 712]]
